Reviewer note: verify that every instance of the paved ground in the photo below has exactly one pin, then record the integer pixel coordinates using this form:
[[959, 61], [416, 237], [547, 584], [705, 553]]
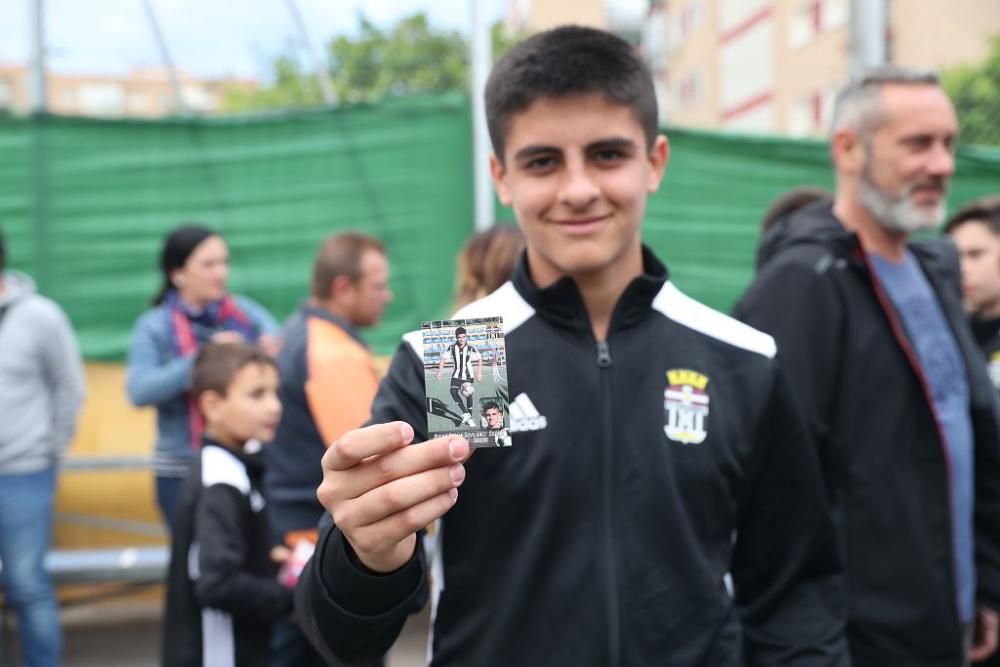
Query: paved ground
[[114, 634]]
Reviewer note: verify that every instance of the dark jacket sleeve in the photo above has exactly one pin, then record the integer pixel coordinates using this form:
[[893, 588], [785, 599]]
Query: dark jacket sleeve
[[787, 573], [347, 612], [350, 614], [223, 582], [793, 300]]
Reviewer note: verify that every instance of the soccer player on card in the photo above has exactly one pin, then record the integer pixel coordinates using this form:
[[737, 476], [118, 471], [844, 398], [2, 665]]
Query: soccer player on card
[[462, 354]]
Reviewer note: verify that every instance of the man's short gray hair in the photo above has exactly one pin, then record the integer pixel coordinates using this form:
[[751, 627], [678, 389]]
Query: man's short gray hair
[[858, 106]]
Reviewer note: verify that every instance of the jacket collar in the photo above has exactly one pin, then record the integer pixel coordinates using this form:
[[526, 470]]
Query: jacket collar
[[561, 303], [253, 460], [311, 310]]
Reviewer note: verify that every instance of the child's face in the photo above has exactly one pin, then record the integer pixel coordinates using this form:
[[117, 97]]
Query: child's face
[[249, 410], [577, 172]]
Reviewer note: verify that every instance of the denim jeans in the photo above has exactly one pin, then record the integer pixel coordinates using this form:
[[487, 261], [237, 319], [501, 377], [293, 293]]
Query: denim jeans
[[168, 492], [25, 532]]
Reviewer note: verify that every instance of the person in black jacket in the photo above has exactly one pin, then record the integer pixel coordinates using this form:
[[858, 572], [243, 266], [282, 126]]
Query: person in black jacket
[[222, 590], [656, 447], [975, 228], [871, 329]]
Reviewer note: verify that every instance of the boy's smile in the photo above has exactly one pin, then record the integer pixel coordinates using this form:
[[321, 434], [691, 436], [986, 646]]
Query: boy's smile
[[577, 172]]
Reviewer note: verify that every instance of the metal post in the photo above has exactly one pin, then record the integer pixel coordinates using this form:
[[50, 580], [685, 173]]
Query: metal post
[[317, 62], [869, 27], [479, 59], [175, 82], [38, 94]]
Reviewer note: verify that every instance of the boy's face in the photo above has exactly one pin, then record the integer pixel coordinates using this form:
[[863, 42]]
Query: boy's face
[[979, 249], [249, 410], [577, 172]]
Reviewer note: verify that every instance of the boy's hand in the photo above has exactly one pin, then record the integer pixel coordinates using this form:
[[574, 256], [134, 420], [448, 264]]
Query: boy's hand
[[380, 491]]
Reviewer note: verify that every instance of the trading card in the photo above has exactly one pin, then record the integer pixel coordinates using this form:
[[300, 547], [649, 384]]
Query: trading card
[[465, 377]]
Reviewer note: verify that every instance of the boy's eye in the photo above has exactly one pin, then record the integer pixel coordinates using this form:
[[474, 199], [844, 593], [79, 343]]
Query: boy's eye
[[609, 155], [540, 163]]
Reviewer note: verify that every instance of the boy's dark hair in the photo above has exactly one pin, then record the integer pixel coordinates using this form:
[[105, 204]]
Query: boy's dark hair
[[570, 60], [491, 404], [985, 210], [340, 255], [459, 331], [790, 202], [218, 363], [3, 252]]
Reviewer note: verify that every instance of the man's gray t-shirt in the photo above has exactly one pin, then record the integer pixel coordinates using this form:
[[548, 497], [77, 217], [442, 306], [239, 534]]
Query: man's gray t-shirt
[[944, 370]]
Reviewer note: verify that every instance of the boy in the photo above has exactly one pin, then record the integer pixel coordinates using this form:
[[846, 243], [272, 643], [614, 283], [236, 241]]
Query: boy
[[658, 452], [222, 594], [975, 228]]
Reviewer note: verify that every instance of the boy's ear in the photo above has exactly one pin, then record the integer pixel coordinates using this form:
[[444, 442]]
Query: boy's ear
[[210, 403], [499, 174], [659, 156]]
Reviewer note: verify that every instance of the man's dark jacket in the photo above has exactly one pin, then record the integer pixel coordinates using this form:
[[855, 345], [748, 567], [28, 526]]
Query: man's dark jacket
[[603, 536], [853, 368]]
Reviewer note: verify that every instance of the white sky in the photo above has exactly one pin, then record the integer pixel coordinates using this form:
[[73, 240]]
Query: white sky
[[205, 37]]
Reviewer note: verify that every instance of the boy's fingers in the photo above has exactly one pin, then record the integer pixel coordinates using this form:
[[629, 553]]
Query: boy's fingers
[[355, 446], [403, 462], [398, 496], [384, 535]]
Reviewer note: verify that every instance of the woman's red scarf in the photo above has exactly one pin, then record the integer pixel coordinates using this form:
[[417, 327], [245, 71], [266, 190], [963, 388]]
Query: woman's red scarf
[[223, 315]]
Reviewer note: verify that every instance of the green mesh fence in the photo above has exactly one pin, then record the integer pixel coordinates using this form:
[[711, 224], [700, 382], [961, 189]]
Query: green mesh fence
[[85, 204]]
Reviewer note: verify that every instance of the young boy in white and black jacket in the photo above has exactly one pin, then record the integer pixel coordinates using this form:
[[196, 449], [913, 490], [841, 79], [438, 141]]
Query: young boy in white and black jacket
[[222, 590], [656, 447]]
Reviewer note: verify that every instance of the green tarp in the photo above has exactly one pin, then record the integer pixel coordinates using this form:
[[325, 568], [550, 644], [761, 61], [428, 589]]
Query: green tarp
[[85, 204]]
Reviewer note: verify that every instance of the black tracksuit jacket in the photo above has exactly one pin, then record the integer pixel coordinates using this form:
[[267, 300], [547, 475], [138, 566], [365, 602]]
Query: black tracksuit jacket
[[602, 537], [222, 591], [851, 365]]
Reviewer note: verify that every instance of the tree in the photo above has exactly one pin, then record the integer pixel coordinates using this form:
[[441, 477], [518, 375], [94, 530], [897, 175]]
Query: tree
[[975, 90], [410, 58]]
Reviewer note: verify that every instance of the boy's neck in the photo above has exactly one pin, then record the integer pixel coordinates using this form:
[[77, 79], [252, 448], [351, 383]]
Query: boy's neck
[[600, 290], [224, 439]]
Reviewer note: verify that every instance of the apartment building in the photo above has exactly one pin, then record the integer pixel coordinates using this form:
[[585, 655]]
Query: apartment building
[[142, 93], [774, 66]]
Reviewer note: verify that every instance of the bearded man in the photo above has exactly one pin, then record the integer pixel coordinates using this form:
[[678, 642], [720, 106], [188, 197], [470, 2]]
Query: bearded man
[[872, 333]]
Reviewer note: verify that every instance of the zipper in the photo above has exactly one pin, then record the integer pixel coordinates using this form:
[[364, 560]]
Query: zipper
[[611, 563]]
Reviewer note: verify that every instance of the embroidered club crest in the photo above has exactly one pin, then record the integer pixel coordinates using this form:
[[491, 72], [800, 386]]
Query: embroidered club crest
[[685, 402]]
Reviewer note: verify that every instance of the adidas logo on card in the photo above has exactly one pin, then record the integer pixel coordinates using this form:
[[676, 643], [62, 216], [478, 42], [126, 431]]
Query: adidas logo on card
[[524, 416]]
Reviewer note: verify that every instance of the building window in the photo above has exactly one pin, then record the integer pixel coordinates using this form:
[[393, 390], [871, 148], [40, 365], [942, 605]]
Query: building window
[[810, 114], [814, 17], [683, 22], [689, 90], [102, 99]]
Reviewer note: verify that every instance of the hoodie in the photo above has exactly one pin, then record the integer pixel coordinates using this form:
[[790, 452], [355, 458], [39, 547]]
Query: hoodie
[[41, 378]]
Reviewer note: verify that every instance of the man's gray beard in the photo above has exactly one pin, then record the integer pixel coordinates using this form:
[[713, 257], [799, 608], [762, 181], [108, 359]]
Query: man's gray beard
[[898, 213]]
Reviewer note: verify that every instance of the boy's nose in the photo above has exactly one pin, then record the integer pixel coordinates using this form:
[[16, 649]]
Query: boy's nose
[[578, 190]]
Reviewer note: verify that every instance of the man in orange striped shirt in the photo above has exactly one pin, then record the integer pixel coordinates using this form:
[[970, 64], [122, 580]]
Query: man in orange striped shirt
[[328, 381]]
